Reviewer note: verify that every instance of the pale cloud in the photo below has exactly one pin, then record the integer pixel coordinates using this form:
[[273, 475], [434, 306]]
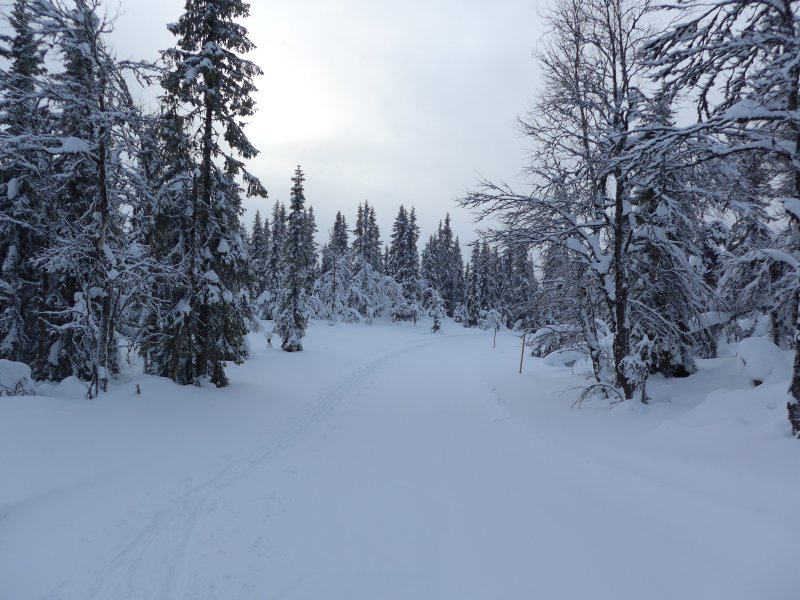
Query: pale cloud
[[394, 102]]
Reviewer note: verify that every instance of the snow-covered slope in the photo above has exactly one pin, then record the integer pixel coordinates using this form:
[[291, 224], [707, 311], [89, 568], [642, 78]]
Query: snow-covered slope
[[387, 462]]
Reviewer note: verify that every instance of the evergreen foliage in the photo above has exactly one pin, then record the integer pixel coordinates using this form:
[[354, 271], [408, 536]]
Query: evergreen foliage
[[299, 260], [260, 241], [403, 262], [24, 208], [210, 86]]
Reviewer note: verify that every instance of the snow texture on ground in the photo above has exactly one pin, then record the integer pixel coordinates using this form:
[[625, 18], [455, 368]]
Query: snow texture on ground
[[386, 462]]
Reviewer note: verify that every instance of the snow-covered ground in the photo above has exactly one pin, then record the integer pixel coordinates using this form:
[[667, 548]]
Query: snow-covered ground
[[386, 462]]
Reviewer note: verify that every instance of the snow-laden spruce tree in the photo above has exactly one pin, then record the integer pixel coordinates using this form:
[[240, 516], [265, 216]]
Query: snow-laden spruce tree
[[485, 283], [434, 305], [24, 209], [366, 238], [338, 244], [431, 262], [334, 297], [754, 281], [562, 307], [333, 289], [670, 297], [299, 259], [472, 294], [164, 335], [456, 286], [442, 265], [403, 262], [260, 242], [452, 266], [373, 293], [738, 60], [519, 287], [490, 281], [210, 85], [270, 297], [311, 247]]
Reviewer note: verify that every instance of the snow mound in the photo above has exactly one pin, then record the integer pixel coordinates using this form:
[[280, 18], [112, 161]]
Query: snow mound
[[15, 378], [659, 390], [762, 361], [731, 412], [69, 388], [563, 358]]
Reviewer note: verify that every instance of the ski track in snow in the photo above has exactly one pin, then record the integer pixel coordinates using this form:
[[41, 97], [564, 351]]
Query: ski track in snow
[[119, 578], [426, 470]]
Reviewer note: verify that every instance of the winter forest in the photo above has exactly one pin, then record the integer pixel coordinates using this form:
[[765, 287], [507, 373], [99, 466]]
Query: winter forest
[[122, 224], [606, 363]]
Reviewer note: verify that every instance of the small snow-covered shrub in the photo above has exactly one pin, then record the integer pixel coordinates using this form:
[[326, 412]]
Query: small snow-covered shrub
[[15, 379], [490, 319], [762, 361], [460, 314]]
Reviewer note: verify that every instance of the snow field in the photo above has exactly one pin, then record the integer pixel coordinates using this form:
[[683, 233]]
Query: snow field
[[387, 462]]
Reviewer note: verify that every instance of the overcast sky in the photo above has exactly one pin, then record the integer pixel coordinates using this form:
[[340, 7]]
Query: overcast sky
[[397, 102]]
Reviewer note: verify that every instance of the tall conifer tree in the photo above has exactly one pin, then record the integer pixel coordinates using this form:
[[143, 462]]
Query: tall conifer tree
[[212, 86], [292, 317], [23, 285]]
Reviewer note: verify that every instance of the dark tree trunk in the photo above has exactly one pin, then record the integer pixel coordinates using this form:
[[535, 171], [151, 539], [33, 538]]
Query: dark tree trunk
[[100, 366], [333, 299], [794, 389], [42, 353], [621, 332], [203, 325], [774, 327], [188, 372], [792, 104]]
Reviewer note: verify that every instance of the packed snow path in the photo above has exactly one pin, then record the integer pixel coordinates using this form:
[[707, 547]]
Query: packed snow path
[[380, 463]]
